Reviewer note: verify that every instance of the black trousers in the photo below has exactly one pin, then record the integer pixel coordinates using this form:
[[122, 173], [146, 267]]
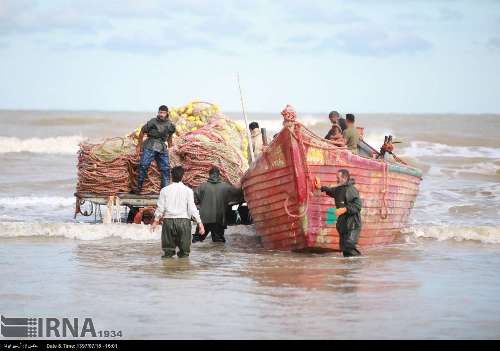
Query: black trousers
[[216, 229], [176, 232], [348, 238]]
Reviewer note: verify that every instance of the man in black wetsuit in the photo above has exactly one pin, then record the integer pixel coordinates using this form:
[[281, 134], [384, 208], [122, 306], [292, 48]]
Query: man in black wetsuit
[[348, 212]]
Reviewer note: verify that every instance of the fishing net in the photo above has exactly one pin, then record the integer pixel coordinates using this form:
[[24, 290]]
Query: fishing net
[[206, 138], [111, 167], [220, 143]]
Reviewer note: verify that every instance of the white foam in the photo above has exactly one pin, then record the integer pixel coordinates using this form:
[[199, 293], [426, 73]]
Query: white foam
[[54, 145], [487, 168], [25, 202], [79, 231], [424, 148], [484, 234], [376, 138]]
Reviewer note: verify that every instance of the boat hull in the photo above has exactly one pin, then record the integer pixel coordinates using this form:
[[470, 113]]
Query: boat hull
[[290, 213]]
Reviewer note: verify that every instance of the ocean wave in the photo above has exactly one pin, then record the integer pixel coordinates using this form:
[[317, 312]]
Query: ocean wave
[[484, 234], [90, 232], [425, 149], [36, 209], [25, 202], [71, 121], [55, 145], [376, 138], [78, 231]]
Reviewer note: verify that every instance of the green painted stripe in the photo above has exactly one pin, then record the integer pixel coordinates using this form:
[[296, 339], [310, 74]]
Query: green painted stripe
[[405, 170]]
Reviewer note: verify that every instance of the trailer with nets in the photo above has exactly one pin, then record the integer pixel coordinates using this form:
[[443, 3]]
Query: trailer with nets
[[107, 169]]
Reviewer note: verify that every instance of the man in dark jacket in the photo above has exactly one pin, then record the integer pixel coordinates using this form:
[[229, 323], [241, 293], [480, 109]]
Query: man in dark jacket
[[159, 130], [213, 198], [348, 212], [337, 122]]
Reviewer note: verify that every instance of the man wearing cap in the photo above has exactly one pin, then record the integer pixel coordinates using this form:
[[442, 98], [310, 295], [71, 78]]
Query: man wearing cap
[[159, 130], [213, 196]]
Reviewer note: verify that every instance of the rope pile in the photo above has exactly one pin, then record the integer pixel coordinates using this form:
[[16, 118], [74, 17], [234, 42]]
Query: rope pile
[[221, 143], [207, 138], [111, 167]]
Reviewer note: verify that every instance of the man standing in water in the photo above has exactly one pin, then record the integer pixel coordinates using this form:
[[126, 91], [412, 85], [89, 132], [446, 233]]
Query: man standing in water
[[159, 130], [348, 212], [213, 198], [176, 206]]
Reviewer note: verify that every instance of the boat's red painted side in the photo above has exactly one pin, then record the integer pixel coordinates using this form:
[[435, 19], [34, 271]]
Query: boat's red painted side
[[290, 213]]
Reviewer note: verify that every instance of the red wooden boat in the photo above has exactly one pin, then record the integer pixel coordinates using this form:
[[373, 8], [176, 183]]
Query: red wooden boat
[[290, 213]]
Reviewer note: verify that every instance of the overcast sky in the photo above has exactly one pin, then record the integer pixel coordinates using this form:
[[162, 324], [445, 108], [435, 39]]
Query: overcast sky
[[358, 56]]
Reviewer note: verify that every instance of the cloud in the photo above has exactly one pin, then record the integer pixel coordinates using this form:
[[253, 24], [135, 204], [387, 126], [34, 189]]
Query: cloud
[[225, 26], [317, 12], [154, 26], [369, 41], [493, 43], [23, 17], [449, 14], [155, 42]]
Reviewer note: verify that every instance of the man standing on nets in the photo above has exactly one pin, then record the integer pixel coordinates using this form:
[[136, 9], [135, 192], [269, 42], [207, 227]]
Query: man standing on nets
[[213, 198], [348, 212], [176, 207], [159, 130]]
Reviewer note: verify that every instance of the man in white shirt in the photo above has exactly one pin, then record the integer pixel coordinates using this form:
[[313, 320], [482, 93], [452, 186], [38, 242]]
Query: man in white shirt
[[176, 206]]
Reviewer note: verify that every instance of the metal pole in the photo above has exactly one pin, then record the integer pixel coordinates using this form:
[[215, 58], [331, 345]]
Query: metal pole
[[249, 135]]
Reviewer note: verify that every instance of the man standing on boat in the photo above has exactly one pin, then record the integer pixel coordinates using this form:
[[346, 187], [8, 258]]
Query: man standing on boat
[[351, 134], [159, 130], [256, 135], [336, 120], [348, 212], [176, 206], [213, 198]]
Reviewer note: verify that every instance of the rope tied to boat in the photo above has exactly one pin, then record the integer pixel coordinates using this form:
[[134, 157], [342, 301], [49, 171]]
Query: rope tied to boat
[[300, 215], [294, 128], [384, 212]]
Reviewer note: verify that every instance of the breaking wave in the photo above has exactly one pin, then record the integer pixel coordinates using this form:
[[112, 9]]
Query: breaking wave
[[484, 234], [90, 232], [26, 202], [426, 149], [55, 145], [79, 231]]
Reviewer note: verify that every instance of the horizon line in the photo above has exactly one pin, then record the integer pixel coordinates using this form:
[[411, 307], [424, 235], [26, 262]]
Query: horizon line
[[249, 112]]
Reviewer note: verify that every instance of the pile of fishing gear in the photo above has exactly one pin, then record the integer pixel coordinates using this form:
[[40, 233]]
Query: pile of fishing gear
[[205, 138]]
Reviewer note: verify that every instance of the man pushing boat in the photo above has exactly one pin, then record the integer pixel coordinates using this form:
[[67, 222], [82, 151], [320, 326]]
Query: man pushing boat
[[348, 212]]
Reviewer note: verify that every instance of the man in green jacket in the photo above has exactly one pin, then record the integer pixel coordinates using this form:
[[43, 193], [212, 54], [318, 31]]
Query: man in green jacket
[[348, 212], [213, 197], [351, 134]]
